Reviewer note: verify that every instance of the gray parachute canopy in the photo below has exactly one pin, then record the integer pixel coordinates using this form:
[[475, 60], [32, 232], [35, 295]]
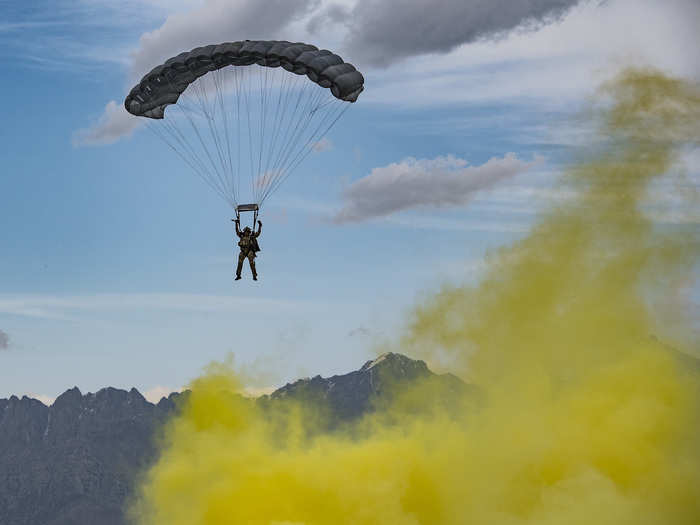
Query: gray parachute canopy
[[231, 119], [164, 84]]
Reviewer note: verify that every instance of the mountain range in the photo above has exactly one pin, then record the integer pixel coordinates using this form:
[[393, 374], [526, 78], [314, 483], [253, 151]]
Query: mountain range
[[76, 462]]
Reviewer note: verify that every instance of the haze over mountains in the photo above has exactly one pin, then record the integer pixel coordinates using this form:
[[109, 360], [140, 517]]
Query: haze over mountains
[[76, 461]]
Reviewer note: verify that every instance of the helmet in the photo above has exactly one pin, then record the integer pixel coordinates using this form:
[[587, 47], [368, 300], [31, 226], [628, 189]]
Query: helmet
[[246, 229]]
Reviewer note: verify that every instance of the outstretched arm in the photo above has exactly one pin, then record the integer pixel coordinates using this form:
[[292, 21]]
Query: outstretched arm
[[238, 226], [259, 228]]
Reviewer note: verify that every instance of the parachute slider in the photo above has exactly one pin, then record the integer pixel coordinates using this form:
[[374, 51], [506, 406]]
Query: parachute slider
[[247, 207]]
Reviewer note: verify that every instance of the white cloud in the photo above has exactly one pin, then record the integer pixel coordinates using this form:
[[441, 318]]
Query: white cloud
[[690, 162], [10, 27], [384, 31], [360, 331], [70, 307], [325, 144], [76, 35], [463, 225], [555, 65], [417, 183], [215, 21], [114, 124], [47, 400], [158, 392], [257, 391]]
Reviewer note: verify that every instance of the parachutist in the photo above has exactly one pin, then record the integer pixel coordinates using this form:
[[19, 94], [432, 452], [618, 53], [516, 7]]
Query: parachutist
[[249, 246], [221, 80]]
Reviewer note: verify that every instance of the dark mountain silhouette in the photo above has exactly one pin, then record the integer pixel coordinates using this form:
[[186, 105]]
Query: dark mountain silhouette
[[75, 462], [344, 398]]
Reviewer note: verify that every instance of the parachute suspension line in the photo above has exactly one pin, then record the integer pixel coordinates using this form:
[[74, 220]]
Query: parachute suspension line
[[187, 108], [263, 112], [219, 80], [265, 176], [293, 156], [329, 101], [291, 119], [308, 147], [325, 124], [289, 130], [279, 117], [251, 135], [262, 77], [246, 93], [292, 139], [292, 113], [200, 98], [216, 136], [225, 114], [238, 128], [308, 113], [321, 132], [215, 169], [199, 170]]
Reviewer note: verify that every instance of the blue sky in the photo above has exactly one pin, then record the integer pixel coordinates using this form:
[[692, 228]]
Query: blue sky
[[117, 263]]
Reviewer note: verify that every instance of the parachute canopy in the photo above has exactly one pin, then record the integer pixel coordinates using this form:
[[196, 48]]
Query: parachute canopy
[[235, 120]]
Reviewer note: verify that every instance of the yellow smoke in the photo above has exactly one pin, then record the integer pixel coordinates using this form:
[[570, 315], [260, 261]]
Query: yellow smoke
[[586, 416]]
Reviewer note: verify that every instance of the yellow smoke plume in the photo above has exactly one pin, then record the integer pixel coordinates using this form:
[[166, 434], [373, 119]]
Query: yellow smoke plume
[[587, 414]]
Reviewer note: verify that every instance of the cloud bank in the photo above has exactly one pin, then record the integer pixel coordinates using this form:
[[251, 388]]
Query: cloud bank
[[375, 31], [382, 31], [114, 124], [158, 392], [69, 307], [413, 183], [456, 42], [325, 144]]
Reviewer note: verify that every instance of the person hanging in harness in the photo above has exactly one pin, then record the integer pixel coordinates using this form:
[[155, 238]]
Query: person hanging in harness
[[249, 246]]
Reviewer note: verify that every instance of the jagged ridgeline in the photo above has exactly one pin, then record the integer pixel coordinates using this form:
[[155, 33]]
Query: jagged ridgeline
[[77, 461]]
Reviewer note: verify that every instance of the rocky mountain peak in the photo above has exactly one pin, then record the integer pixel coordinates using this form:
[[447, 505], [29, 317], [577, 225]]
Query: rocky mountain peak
[[71, 397], [397, 364], [349, 396]]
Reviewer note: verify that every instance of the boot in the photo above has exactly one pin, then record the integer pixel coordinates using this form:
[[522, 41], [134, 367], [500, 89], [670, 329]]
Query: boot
[[238, 278]]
